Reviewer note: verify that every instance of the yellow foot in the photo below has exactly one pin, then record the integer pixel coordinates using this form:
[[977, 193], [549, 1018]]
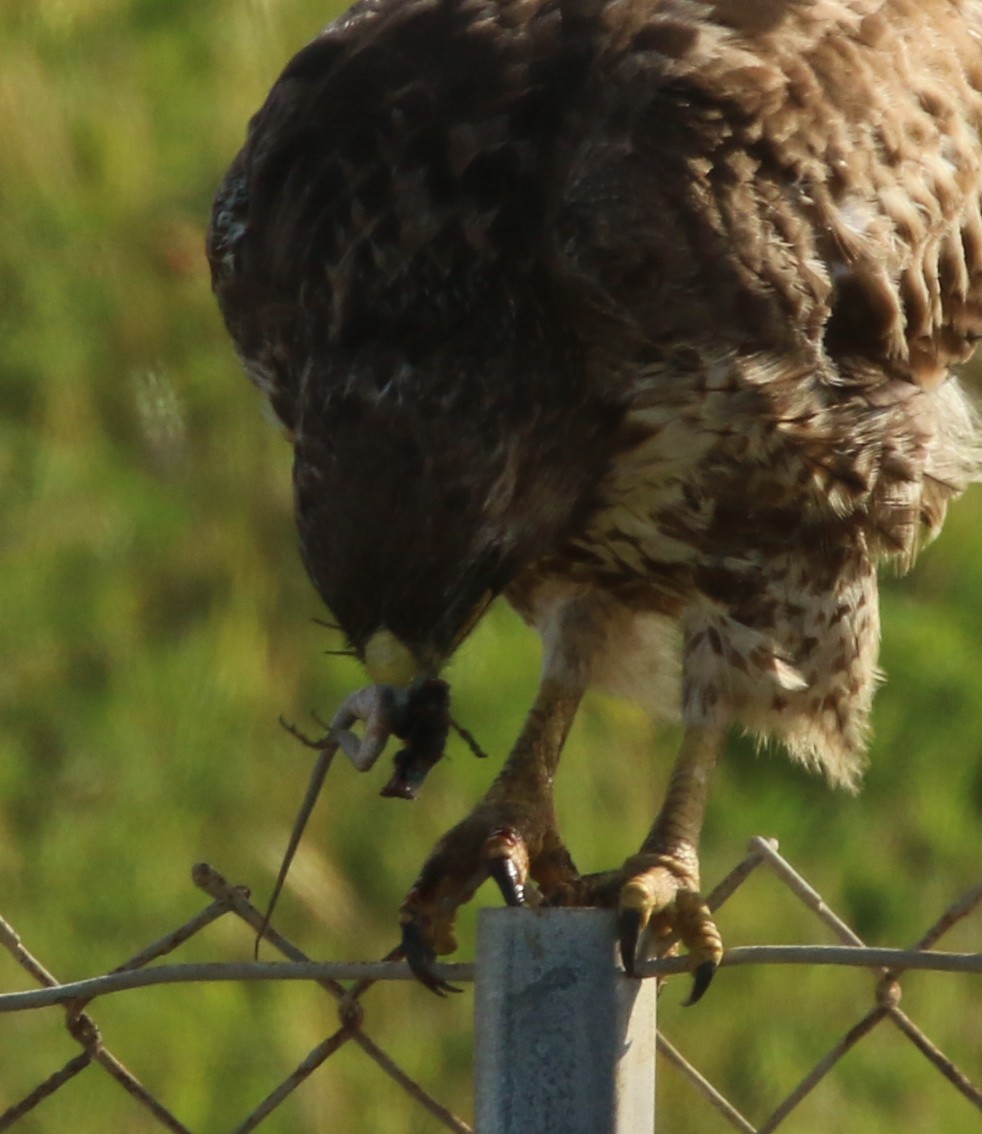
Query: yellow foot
[[505, 842], [659, 899]]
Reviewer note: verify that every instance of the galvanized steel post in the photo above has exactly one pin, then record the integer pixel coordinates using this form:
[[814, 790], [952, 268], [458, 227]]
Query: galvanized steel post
[[565, 1043]]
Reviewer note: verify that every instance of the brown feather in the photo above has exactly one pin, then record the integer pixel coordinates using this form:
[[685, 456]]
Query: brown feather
[[650, 304]]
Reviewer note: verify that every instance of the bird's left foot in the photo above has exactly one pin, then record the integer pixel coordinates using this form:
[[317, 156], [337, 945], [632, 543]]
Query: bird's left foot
[[656, 896], [660, 899]]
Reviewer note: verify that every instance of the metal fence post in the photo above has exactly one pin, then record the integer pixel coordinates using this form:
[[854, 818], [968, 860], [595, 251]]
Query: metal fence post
[[565, 1043]]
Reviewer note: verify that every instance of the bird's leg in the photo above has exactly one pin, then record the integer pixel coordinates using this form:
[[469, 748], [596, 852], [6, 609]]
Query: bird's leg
[[510, 835], [659, 894]]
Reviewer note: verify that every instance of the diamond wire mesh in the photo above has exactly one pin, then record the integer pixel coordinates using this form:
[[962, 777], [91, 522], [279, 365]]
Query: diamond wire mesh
[[228, 899]]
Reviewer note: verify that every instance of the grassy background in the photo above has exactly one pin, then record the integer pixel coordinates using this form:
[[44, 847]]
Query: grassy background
[[155, 620]]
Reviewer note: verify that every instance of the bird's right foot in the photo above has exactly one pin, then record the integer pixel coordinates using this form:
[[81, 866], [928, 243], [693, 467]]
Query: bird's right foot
[[514, 845]]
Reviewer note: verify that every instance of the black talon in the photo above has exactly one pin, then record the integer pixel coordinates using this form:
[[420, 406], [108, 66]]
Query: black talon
[[629, 926], [421, 960], [702, 977], [505, 873]]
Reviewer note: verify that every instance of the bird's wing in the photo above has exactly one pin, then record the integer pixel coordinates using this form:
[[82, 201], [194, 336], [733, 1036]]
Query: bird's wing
[[822, 170], [802, 193], [395, 174]]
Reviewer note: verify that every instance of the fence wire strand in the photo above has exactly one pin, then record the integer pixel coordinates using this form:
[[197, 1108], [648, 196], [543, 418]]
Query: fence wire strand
[[229, 899]]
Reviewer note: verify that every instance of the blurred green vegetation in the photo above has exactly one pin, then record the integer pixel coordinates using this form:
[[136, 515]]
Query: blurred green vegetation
[[155, 621]]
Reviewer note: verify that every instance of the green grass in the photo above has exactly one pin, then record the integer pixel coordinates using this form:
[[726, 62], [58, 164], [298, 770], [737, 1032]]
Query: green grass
[[155, 621]]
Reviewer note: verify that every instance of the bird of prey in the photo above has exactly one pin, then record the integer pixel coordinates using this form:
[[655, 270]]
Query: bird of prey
[[639, 313]]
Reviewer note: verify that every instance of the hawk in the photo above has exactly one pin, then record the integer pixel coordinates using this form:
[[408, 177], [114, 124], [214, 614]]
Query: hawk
[[640, 313]]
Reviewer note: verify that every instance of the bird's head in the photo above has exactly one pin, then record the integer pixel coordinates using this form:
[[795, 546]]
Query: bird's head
[[401, 537], [422, 492]]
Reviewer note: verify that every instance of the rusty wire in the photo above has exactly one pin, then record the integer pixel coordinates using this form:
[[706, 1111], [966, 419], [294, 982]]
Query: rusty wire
[[889, 964]]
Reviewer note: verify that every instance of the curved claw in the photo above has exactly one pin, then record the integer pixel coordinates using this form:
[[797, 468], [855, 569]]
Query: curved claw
[[509, 880], [421, 958], [702, 977], [630, 925], [659, 897], [506, 858]]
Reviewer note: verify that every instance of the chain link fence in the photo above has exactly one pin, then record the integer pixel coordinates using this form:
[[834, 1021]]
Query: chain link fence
[[347, 983]]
